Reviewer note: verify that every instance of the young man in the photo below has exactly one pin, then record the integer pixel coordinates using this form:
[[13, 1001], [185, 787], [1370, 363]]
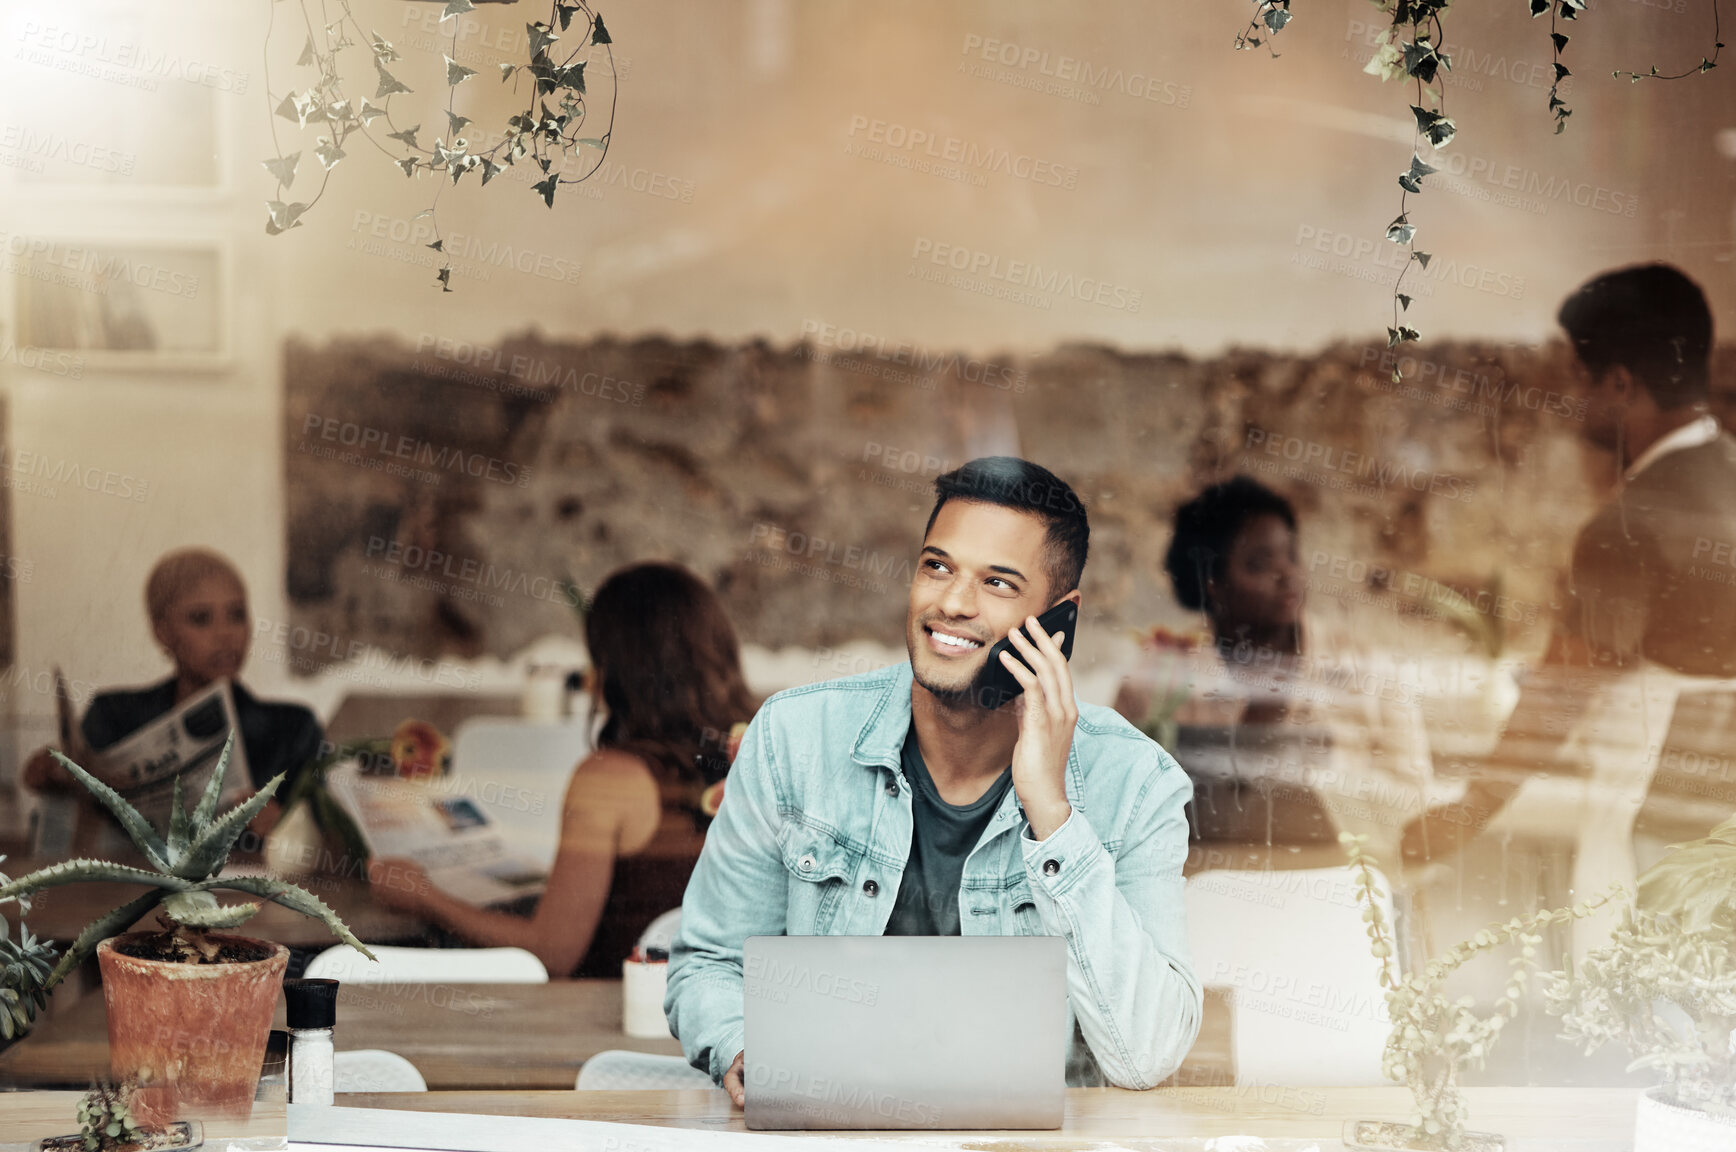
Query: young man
[[895, 803], [1644, 585]]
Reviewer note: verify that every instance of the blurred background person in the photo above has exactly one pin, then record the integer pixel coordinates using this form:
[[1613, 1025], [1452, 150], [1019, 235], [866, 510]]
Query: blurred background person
[[197, 605], [1288, 738], [666, 671], [1643, 609]]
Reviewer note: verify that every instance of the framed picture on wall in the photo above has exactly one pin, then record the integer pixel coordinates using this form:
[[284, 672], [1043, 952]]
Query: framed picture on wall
[[121, 304]]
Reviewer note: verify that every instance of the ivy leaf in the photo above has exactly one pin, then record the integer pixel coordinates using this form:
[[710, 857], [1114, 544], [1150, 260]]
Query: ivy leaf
[[445, 278], [1570, 9], [307, 53], [455, 123], [1275, 19], [599, 34], [1420, 61], [407, 136], [438, 245], [1425, 118], [1400, 231], [329, 153], [1401, 334], [1561, 72], [282, 217], [370, 112], [288, 110], [566, 13], [1422, 258], [388, 83], [506, 71], [1539, 8], [546, 188], [456, 7], [1558, 39], [1442, 131], [457, 73], [489, 170], [593, 142], [383, 50], [1404, 301], [283, 168], [408, 164], [540, 38], [574, 77]]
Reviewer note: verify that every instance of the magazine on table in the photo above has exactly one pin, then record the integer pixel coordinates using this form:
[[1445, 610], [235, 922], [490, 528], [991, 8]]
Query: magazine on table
[[433, 823]]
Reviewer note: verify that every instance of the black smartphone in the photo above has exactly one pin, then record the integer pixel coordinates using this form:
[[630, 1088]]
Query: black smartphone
[[995, 685]]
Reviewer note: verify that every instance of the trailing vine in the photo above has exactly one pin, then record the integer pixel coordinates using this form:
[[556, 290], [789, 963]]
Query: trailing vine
[[1268, 20], [1707, 63], [548, 137], [1412, 46]]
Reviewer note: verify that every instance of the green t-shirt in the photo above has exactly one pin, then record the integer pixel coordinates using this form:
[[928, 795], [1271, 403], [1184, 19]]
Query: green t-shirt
[[942, 836]]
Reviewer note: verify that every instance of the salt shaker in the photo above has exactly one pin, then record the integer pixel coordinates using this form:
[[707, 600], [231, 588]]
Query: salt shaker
[[313, 1009]]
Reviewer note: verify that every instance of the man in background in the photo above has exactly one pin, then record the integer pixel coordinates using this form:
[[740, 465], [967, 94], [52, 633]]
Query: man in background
[[1652, 583]]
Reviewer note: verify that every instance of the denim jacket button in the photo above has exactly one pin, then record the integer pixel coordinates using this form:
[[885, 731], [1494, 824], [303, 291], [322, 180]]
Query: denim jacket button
[[870, 887], [806, 863], [892, 788], [1051, 867]]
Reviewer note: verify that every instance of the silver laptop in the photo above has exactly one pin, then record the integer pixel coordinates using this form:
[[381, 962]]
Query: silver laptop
[[936, 1032]]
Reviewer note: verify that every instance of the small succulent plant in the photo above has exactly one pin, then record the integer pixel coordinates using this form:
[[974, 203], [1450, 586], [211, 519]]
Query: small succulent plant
[[184, 864], [1434, 1039], [24, 968], [105, 1117]]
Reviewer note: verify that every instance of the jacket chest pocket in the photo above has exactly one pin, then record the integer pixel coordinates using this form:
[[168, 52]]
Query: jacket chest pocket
[[1026, 921], [819, 870]]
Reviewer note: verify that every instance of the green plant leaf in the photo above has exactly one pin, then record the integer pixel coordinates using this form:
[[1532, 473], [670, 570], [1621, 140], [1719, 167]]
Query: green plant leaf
[[1558, 39], [329, 153], [138, 829], [283, 168], [210, 848], [455, 123], [199, 909], [1401, 230], [546, 188], [101, 929], [407, 136], [214, 784], [295, 899], [90, 871], [457, 73], [541, 36], [1276, 18], [457, 7], [177, 841], [599, 34], [388, 83]]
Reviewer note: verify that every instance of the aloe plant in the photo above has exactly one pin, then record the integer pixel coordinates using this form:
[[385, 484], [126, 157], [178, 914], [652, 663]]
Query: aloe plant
[[184, 864]]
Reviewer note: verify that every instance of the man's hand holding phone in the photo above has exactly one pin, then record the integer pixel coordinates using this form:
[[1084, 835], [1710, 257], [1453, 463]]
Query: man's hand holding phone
[[1047, 714]]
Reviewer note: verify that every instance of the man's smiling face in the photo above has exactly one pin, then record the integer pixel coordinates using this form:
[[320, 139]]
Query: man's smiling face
[[981, 572]]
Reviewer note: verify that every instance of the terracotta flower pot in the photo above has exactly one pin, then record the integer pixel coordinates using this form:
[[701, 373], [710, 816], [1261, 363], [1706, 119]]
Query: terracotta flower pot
[[192, 1034]]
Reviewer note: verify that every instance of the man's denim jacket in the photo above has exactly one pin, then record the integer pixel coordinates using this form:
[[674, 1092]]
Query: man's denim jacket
[[814, 832]]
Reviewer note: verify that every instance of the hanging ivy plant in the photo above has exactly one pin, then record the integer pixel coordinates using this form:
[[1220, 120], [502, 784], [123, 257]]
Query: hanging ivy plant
[[1413, 47], [548, 132]]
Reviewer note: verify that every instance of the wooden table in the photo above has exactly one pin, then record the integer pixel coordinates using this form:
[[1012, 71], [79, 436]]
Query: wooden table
[[60, 914], [467, 1036], [35, 1115], [1580, 1119]]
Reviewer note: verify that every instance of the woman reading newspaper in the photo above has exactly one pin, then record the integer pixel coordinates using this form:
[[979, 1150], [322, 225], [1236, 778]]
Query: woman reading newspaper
[[197, 605], [666, 669]]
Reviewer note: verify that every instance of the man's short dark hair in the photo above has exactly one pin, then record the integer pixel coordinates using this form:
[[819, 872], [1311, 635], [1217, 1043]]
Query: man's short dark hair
[[1650, 319], [1206, 528], [1009, 482]]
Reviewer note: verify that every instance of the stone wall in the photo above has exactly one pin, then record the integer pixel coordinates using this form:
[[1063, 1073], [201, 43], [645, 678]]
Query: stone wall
[[442, 497]]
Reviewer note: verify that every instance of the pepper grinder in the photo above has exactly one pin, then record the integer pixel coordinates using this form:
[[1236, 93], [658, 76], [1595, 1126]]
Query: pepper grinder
[[313, 1010]]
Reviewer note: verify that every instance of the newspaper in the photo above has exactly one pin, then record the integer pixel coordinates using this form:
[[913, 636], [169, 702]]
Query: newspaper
[[434, 824], [185, 741]]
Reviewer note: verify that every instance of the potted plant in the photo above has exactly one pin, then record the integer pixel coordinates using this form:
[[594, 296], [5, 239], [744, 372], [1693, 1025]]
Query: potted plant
[[188, 1007], [1434, 1039], [1665, 988], [24, 971]]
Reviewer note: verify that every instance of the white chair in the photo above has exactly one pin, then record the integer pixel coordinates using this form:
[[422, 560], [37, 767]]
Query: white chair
[[618, 1070], [517, 772], [1308, 1008], [421, 965], [375, 1070]]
